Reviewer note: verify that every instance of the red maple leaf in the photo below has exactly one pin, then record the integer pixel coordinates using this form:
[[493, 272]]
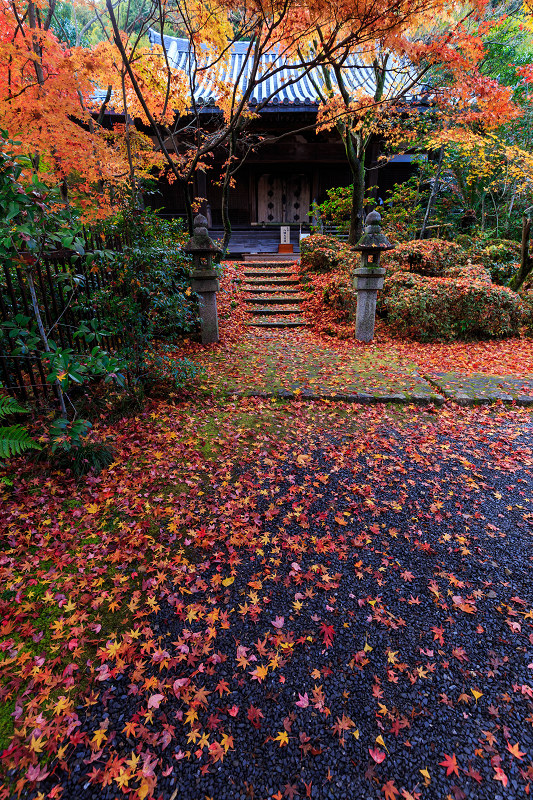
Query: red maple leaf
[[255, 715], [389, 790], [328, 633], [450, 763]]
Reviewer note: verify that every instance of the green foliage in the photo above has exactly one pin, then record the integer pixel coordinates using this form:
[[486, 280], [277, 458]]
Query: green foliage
[[87, 457], [527, 315], [336, 210], [166, 369], [14, 439], [403, 210], [442, 308], [73, 451], [33, 226], [149, 299], [32, 220], [501, 259]]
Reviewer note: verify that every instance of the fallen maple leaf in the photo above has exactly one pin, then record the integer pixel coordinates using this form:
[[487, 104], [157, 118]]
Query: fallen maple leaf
[[499, 775], [378, 755], [282, 738], [155, 700], [515, 750], [303, 702], [328, 632], [389, 790], [450, 764]]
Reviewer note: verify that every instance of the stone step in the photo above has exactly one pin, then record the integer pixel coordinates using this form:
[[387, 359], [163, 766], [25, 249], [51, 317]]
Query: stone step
[[271, 291], [271, 258], [274, 300], [275, 282], [269, 273], [265, 312], [296, 323]]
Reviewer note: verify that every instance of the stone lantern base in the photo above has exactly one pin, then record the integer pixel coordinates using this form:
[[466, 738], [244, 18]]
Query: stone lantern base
[[367, 282], [206, 285]]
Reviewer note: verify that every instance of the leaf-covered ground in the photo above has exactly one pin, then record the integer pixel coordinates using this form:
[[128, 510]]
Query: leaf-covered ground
[[252, 361], [268, 599], [275, 599]]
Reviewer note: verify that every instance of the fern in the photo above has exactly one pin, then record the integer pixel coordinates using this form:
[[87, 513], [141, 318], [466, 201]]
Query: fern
[[15, 440], [8, 405]]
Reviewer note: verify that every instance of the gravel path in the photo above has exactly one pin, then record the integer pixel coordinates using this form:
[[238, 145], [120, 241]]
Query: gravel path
[[354, 620]]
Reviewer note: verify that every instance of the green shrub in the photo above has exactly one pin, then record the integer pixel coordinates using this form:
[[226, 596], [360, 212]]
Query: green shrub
[[336, 210], [320, 253], [427, 308], [430, 257], [469, 271], [501, 258]]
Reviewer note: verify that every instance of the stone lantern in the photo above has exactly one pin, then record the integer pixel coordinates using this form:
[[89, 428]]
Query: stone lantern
[[204, 278], [369, 276]]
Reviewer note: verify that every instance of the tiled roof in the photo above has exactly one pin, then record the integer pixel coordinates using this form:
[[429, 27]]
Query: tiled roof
[[284, 89]]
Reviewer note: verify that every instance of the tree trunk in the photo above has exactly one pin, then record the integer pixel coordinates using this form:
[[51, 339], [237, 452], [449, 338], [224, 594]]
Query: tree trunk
[[356, 160], [433, 194], [188, 206], [526, 262], [358, 199], [228, 174]]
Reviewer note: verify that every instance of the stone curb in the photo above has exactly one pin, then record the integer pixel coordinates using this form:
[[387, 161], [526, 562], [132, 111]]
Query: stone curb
[[343, 397], [400, 399]]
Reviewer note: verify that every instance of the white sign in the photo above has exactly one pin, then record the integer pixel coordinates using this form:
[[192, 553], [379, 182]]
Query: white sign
[[285, 234]]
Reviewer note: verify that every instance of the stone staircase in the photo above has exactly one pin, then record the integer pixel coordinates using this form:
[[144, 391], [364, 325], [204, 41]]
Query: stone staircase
[[272, 294]]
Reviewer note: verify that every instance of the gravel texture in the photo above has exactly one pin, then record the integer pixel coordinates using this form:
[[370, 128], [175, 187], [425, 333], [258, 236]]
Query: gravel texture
[[355, 607]]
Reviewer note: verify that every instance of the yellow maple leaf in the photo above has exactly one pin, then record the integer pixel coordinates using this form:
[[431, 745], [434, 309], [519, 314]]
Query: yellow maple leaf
[[228, 581], [425, 774], [476, 694], [282, 738], [99, 737]]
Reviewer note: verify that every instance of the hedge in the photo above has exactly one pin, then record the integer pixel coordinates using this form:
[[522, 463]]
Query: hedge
[[321, 254], [427, 308]]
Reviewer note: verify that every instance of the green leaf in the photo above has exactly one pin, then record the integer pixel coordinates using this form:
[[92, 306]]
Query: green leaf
[[8, 405], [15, 440]]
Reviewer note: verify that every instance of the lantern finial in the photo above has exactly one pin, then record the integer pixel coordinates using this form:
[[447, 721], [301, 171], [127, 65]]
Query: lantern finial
[[200, 242], [372, 239]]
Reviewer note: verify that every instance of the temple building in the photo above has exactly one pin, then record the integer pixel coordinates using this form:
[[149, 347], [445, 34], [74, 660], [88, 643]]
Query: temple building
[[279, 180]]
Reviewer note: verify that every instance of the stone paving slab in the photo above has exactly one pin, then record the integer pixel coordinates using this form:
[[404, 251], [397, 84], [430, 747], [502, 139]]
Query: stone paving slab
[[279, 364], [479, 388]]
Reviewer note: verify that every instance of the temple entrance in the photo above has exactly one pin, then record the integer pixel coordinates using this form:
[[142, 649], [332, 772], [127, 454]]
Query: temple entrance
[[283, 198]]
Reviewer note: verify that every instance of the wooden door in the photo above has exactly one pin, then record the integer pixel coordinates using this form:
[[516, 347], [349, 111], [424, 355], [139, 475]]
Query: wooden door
[[269, 199], [283, 198], [297, 194]]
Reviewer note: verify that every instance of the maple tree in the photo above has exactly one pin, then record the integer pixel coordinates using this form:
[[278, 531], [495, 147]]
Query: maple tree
[[48, 102], [304, 36]]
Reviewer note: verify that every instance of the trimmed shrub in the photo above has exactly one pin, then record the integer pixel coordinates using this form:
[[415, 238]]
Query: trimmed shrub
[[429, 308], [321, 254], [430, 257], [471, 272], [527, 314]]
